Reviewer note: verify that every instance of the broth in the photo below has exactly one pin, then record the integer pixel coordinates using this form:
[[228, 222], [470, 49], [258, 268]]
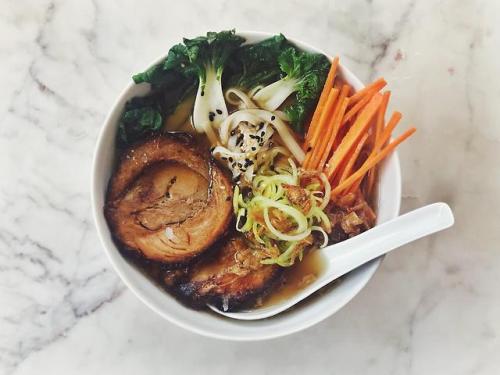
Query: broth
[[297, 278]]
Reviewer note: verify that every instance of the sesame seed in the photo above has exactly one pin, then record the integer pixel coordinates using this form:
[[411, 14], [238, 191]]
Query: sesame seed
[[309, 148], [233, 132], [254, 148], [211, 113], [202, 93], [273, 118], [231, 159], [218, 111]]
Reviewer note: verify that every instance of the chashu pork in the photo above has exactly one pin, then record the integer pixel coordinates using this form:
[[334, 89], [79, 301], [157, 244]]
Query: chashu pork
[[167, 202], [233, 278]]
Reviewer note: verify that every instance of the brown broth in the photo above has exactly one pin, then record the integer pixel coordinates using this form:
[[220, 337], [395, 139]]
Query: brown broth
[[297, 277]]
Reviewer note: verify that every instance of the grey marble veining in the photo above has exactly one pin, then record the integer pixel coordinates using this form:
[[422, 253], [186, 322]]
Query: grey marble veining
[[432, 308]]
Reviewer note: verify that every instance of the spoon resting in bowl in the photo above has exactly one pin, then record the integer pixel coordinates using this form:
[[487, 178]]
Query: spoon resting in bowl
[[345, 256]]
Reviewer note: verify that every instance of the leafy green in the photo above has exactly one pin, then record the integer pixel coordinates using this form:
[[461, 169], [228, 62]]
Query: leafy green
[[170, 83], [166, 73], [141, 117], [257, 64], [305, 74], [207, 57], [211, 52]]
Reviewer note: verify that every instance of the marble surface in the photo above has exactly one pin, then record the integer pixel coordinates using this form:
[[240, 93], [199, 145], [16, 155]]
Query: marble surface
[[432, 308]]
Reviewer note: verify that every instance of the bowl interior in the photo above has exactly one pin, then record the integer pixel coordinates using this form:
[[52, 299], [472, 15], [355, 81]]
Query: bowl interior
[[207, 323]]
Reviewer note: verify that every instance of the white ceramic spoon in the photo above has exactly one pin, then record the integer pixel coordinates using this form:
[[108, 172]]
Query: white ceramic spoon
[[350, 254]]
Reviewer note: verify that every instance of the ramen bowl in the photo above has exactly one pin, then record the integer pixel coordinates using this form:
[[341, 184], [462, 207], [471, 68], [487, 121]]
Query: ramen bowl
[[309, 312]]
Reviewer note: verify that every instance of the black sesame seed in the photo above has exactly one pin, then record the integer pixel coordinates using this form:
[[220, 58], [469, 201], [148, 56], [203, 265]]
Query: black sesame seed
[[211, 113], [309, 148], [212, 149], [211, 118], [223, 158], [254, 148], [273, 118], [202, 93], [218, 111], [231, 159], [233, 132], [228, 198], [262, 133]]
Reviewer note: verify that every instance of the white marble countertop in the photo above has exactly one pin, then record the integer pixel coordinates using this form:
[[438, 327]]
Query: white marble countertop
[[432, 308]]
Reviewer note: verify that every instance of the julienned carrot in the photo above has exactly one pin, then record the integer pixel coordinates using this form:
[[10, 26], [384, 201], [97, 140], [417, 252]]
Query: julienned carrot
[[389, 128], [353, 111], [338, 115], [330, 78], [329, 131], [321, 125], [371, 162], [354, 134], [352, 159], [383, 139], [376, 85], [314, 132], [379, 127]]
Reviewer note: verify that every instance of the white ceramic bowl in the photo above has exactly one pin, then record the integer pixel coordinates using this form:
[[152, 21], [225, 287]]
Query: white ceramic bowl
[[211, 324]]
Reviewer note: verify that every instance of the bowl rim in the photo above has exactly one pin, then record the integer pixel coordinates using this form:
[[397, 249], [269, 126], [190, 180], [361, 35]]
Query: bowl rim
[[127, 280]]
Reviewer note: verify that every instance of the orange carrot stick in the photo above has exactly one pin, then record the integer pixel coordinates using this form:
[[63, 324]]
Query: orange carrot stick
[[379, 127], [355, 154], [330, 131], [354, 134], [389, 128], [381, 115], [353, 111], [376, 86], [337, 119], [330, 78], [371, 162], [320, 127]]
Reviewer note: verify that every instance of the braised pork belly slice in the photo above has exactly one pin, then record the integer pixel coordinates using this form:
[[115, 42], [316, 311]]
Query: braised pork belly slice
[[168, 202], [230, 279]]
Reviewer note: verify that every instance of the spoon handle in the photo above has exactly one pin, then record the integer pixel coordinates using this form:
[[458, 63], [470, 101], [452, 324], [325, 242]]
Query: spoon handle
[[346, 256]]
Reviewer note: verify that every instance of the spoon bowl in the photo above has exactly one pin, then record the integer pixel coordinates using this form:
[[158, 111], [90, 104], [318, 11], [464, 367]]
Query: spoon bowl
[[345, 256]]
